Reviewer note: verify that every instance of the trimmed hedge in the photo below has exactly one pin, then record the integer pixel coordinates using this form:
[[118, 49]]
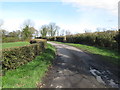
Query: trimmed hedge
[[59, 39], [51, 38], [117, 38], [37, 41], [103, 39], [42, 41], [10, 39], [15, 57]]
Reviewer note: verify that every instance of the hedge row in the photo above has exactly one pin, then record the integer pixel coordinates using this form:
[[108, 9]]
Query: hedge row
[[51, 38], [60, 39], [103, 39], [10, 39], [32, 41], [15, 57]]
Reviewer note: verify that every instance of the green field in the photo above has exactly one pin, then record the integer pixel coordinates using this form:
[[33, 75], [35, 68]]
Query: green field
[[14, 44], [30, 74], [109, 55]]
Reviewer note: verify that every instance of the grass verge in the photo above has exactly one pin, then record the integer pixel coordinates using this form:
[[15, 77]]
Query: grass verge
[[110, 55], [28, 75], [14, 44]]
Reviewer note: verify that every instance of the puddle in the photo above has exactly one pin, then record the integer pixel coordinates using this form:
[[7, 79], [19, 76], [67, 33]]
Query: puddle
[[97, 74], [113, 84], [99, 79]]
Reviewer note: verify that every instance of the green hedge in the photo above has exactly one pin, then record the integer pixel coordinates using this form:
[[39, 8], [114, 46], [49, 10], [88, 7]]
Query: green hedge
[[10, 39], [56, 38], [117, 38], [59, 38], [15, 57], [42, 41], [102, 39], [50, 38]]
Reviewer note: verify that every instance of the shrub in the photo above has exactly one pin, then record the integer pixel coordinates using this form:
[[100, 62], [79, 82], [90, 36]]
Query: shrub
[[10, 39], [15, 57], [69, 38], [44, 41], [37, 41], [51, 38], [60, 38], [103, 39], [40, 38], [117, 38]]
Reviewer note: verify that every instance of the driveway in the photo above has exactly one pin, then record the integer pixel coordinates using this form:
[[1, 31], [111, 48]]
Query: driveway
[[74, 68]]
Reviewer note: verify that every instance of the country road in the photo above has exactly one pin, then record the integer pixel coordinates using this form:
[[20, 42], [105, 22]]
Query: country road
[[74, 68]]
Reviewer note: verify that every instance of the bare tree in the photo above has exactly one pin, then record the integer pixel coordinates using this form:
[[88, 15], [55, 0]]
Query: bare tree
[[53, 28], [62, 32], [98, 29], [68, 32], [28, 23], [44, 31], [58, 32]]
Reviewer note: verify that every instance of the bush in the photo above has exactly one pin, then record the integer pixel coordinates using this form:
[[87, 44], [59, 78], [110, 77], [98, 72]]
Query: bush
[[40, 38], [50, 38], [102, 39], [15, 57], [37, 41], [10, 39], [44, 41], [60, 38], [117, 38]]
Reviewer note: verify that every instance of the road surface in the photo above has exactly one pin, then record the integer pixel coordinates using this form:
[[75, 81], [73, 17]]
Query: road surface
[[74, 68]]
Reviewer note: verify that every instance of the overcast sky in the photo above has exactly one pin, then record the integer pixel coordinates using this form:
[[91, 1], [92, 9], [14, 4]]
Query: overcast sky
[[73, 15]]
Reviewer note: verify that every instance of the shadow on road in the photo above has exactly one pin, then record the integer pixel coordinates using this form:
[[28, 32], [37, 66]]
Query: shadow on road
[[71, 68]]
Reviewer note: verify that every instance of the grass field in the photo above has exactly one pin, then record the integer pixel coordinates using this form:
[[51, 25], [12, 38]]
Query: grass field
[[29, 75], [110, 55], [14, 44]]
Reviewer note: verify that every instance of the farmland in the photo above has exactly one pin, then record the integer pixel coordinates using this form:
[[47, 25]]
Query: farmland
[[14, 44]]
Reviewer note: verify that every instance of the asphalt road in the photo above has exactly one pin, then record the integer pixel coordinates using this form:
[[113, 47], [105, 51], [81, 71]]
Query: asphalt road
[[74, 68]]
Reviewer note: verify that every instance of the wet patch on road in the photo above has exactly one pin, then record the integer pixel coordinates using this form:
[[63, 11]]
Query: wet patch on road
[[103, 78], [74, 68]]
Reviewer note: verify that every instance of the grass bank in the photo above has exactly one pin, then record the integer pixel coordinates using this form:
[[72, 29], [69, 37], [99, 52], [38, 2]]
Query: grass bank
[[28, 75], [14, 44], [110, 55]]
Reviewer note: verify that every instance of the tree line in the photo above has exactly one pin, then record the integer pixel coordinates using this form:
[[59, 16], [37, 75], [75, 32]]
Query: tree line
[[28, 32]]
